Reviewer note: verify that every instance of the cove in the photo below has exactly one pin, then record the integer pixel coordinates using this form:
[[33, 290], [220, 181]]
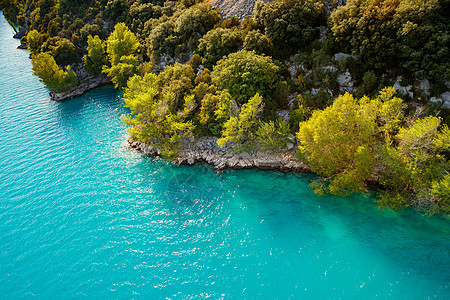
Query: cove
[[82, 215]]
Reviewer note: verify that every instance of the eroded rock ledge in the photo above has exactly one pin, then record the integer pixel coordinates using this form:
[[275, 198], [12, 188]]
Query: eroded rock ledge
[[85, 86], [205, 149]]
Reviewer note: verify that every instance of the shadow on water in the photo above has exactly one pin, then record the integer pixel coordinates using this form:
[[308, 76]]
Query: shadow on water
[[284, 204]]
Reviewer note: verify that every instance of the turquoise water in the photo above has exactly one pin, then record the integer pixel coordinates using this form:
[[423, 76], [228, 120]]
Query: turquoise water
[[81, 215]]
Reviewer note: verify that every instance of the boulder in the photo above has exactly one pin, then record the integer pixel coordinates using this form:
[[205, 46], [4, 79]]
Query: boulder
[[345, 82], [446, 99], [340, 55]]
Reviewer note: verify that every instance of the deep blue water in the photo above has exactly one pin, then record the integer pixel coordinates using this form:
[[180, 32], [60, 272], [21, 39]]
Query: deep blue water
[[83, 215]]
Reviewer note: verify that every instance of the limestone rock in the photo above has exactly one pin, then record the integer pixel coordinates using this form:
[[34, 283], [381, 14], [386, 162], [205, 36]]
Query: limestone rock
[[446, 98], [345, 82], [340, 55], [80, 89], [405, 90]]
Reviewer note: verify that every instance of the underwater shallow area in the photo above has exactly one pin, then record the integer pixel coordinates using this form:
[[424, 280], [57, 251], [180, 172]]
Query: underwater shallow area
[[81, 214]]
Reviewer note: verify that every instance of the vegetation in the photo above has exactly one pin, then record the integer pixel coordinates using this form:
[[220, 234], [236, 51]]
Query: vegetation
[[187, 71], [344, 141], [290, 24], [45, 67], [158, 115], [405, 34], [244, 73], [96, 58], [122, 47], [239, 130]]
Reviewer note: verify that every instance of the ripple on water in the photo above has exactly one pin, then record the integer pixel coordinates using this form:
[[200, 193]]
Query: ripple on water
[[82, 215]]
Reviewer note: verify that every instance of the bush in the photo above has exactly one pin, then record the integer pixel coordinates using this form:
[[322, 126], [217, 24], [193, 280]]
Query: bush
[[290, 24], [244, 73], [273, 136], [218, 43], [258, 42], [96, 57], [404, 34], [238, 132]]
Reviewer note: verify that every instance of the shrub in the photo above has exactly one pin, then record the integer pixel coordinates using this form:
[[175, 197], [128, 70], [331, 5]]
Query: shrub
[[244, 73]]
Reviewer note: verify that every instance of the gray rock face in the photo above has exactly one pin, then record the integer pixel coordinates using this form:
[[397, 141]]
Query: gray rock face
[[346, 83], [340, 55], [22, 32], [405, 90], [80, 89], [446, 99], [205, 149], [239, 8]]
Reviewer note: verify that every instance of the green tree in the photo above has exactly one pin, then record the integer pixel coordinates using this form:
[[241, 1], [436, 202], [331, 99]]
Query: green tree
[[122, 47], [218, 43], [34, 40], [273, 135], [120, 72], [213, 110], [45, 67], [239, 130], [406, 34], [244, 73], [176, 79], [121, 42], [290, 24], [96, 56], [415, 173], [337, 141], [61, 49], [153, 116], [198, 19], [258, 42]]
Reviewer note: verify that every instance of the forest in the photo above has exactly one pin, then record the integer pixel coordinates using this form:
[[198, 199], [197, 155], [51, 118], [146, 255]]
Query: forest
[[187, 71]]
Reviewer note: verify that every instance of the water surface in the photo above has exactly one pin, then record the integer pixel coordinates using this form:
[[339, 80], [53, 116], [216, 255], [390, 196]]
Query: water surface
[[83, 215]]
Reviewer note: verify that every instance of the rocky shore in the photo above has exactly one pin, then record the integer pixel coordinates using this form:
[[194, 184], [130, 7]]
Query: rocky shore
[[205, 149], [86, 85]]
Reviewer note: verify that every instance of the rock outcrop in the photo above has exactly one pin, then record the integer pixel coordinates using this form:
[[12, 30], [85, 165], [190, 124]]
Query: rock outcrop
[[205, 149], [230, 8], [85, 86]]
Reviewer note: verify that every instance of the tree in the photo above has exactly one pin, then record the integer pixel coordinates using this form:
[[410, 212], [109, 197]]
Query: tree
[[96, 57], [197, 19], [61, 49], [121, 71], [415, 173], [121, 42], [213, 110], [154, 116], [244, 73], [273, 135], [122, 47], [218, 43], [406, 34], [258, 42], [177, 79], [290, 24], [353, 139], [34, 40], [239, 130], [45, 67], [337, 141]]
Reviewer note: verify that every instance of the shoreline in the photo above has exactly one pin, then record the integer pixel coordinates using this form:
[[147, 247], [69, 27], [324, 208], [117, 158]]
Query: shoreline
[[205, 149], [87, 85]]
